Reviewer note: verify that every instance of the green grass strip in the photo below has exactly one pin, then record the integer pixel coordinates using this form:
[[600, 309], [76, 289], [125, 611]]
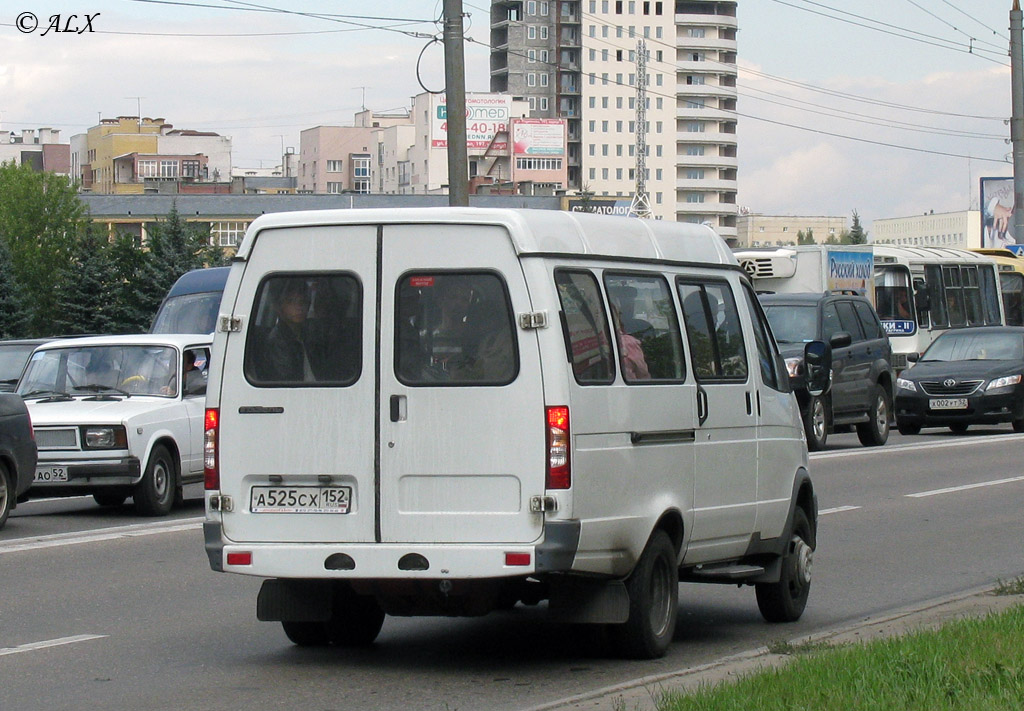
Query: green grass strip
[[972, 664]]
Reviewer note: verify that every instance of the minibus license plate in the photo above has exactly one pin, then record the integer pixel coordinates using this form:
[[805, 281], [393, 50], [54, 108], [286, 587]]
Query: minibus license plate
[[300, 499], [948, 403], [48, 474]]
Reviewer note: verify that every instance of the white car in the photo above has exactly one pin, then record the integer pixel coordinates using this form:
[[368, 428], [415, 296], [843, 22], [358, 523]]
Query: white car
[[118, 416]]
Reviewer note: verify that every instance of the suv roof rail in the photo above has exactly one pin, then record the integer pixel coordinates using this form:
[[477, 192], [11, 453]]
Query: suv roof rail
[[843, 292]]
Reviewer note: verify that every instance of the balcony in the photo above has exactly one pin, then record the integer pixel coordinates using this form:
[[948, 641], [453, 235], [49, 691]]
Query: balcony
[[712, 185]]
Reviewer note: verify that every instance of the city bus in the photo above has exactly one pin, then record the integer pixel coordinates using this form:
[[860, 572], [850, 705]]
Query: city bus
[[1011, 282], [922, 291]]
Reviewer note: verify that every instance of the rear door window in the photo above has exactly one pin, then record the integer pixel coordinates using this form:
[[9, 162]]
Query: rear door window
[[849, 321], [305, 331], [868, 321], [586, 327], [454, 328]]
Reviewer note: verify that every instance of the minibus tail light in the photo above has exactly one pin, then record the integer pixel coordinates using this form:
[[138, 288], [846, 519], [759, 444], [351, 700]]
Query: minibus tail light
[[559, 475], [211, 468]]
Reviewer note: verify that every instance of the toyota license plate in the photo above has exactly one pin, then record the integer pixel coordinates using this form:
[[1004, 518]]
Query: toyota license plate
[[948, 403], [45, 475], [300, 499]]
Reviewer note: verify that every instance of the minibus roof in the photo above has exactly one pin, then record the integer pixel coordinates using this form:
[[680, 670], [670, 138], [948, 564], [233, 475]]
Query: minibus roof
[[535, 232]]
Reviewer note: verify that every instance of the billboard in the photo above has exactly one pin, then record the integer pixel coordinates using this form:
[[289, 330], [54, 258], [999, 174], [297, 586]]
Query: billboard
[[538, 137], [487, 122], [997, 213]]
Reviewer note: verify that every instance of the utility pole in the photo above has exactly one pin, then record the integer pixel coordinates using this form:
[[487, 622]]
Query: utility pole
[[1017, 118], [455, 99]]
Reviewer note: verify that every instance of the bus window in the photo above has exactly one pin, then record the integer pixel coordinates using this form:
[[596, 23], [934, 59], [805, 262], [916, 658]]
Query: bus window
[[893, 297], [1012, 284], [936, 297], [989, 296], [972, 296], [953, 289]]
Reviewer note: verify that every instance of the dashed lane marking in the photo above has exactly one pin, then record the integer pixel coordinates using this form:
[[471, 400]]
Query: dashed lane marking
[[103, 534], [838, 509], [964, 487]]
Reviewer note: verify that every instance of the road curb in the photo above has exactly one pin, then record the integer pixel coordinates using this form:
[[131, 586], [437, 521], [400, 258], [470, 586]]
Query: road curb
[[643, 693]]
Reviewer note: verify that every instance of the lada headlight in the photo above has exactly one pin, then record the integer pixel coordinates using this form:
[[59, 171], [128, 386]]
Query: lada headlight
[[904, 384], [1003, 382], [104, 437]]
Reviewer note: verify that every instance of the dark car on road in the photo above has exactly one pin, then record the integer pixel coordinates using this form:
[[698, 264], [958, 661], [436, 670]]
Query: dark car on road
[[14, 354], [862, 373], [17, 452], [967, 376]]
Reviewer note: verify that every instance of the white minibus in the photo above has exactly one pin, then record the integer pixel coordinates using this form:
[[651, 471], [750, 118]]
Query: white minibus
[[446, 411]]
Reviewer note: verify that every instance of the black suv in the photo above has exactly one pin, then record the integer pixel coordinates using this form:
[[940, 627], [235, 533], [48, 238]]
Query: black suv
[[862, 374]]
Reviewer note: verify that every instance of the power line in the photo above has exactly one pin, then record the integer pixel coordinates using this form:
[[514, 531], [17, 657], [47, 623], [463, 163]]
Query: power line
[[951, 25], [994, 31]]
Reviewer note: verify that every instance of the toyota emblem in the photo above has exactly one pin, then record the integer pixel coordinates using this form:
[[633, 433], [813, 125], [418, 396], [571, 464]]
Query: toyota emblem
[[948, 382]]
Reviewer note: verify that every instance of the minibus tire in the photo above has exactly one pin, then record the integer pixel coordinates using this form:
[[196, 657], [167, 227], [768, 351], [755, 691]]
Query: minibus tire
[[785, 600], [356, 621], [154, 495], [653, 589], [307, 634]]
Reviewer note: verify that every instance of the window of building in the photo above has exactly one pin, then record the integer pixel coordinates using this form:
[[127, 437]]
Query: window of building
[[593, 173], [538, 163], [543, 79], [335, 188], [697, 32], [191, 169], [544, 8], [531, 31], [335, 166], [148, 169], [543, 32], [361, 166], [695, 79], [169, 169], [531, 7], [227, 234], [361, 186], [604, 127], [695, 127], [543, 103], [604, 173], [694, 197], [592, 149], [618, 126], [695, 174], [618, 149], [531, 55], [695, 150], [533, 103], [618, 173], [604, 149], [531, 79]]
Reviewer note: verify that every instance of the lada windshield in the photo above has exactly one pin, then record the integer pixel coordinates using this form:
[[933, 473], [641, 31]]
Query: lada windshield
[[792, 323], [128, 369]]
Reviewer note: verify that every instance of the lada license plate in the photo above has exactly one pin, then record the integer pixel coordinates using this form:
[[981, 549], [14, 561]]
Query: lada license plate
[[45, 475], [300, 499], [948, 403]]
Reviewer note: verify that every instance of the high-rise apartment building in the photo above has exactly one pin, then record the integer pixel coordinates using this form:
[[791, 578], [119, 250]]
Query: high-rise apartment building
[[576, 59]]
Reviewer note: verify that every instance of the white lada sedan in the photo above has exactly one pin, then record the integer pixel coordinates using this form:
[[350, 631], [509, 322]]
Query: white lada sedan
[[118, 416]]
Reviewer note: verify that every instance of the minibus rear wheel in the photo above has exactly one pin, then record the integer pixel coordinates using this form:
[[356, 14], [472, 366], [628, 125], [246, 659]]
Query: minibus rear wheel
[[785, 600], [653, 589]]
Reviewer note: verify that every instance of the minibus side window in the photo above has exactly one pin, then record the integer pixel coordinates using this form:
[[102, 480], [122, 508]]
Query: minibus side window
[[454, 329], [586, 327], [306, 331], [646, 328], [713, 330], [765, 351]]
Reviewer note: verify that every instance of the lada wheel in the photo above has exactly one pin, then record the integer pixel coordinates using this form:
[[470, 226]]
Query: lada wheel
[[816, 424], [875, 431], [653, 589], [785, 600], [109, 498], [6, 495], [154, 495]]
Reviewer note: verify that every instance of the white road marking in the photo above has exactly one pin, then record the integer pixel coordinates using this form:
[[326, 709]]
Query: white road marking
[[33, 646], [838, 509], [890, 448], [103, 534], [965, 487]]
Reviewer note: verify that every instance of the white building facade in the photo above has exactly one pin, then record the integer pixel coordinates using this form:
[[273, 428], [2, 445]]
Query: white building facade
[[959, 230]]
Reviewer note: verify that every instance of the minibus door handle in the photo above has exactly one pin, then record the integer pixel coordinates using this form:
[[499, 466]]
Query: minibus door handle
[[702, 405], [398, 408]]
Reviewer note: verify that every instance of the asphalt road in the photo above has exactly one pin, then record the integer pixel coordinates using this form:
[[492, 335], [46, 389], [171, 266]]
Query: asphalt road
[[104, 609]]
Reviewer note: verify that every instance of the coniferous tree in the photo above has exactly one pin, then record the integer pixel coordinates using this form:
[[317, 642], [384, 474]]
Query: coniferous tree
[[857, 234], [127, 260], [14, 317], [84, 291]]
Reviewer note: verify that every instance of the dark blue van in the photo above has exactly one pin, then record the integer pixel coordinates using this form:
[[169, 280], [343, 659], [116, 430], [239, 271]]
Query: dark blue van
[[192, 304]]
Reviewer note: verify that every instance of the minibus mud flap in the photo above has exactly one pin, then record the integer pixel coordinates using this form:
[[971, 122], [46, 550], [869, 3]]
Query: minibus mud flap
[[582, 601]]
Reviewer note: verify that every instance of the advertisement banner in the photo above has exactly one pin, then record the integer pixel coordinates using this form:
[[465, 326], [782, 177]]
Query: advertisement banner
[[538, 137], [852, 271], [997, 213], [487, 116]]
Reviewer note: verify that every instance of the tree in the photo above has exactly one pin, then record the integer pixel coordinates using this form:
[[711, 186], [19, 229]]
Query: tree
[[857, 234], [126, 260], [40, 218], [85, 289], [805, 237], [174, 247], [14, 317]]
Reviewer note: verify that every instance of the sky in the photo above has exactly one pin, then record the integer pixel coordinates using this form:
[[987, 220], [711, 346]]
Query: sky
[[890, 108]]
